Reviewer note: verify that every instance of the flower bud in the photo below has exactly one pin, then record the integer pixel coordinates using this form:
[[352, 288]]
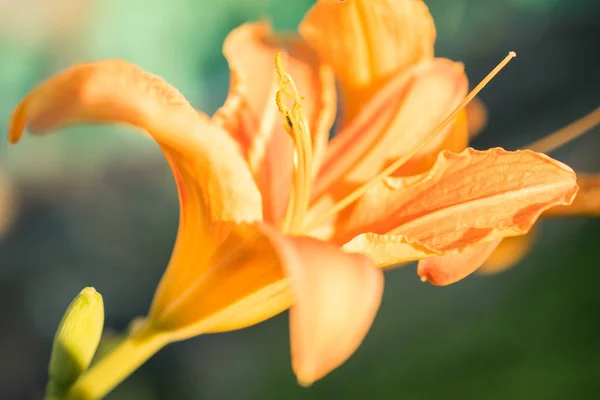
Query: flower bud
[[76, 341]]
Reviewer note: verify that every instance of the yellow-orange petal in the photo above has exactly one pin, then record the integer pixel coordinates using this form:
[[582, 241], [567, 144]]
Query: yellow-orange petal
[[250, 113], [214, 183], [587, 201], [397, 118], [336, 296], [367, 41], [117, 91], [241, 284], [467, 199], [448, 269], [455, 140], [510, 251]]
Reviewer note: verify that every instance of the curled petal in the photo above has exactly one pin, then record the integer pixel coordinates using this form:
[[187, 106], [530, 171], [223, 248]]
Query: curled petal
[[367, 41], [250, 113], [397, 119], [104, 91], [215, 186], [117, 91], [587, 201], [448, 269], [467, 199], [510, 251]]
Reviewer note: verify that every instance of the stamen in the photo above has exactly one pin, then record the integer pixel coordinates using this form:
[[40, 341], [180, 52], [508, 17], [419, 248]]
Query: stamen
[[345, 202], [258, 146], [296, 126], [298, 162], [566, 134]]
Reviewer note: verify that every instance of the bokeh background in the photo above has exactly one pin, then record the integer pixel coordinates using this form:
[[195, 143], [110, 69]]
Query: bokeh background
[[97, 206]]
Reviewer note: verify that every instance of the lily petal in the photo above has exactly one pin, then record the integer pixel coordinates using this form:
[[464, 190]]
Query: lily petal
[[456, 139], [467, 199], [445, 270], [241, 284], [367, 41], [587, 201], [215, 186], [336, 298], [488, 258], [250, 113], [396, 119], [117, 91]]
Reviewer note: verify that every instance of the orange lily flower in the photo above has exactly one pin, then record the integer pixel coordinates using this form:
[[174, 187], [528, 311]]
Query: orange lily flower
[[229, 269], [272, 215]]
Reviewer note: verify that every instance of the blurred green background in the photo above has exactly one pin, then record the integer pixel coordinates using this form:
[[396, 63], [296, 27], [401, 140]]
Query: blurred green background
[[97, 207]]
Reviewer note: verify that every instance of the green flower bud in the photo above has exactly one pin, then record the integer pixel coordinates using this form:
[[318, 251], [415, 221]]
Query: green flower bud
[[75, 342]]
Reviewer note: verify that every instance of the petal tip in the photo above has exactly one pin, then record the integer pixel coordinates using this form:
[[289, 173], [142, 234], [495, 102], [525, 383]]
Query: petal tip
[[16, 125], [432, 275], [304, 382]]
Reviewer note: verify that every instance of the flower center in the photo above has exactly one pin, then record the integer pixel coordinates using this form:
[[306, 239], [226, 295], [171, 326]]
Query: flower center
[[296, 125]]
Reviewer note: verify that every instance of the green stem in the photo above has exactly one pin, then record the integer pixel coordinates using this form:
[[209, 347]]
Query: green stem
[[111, 370]]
